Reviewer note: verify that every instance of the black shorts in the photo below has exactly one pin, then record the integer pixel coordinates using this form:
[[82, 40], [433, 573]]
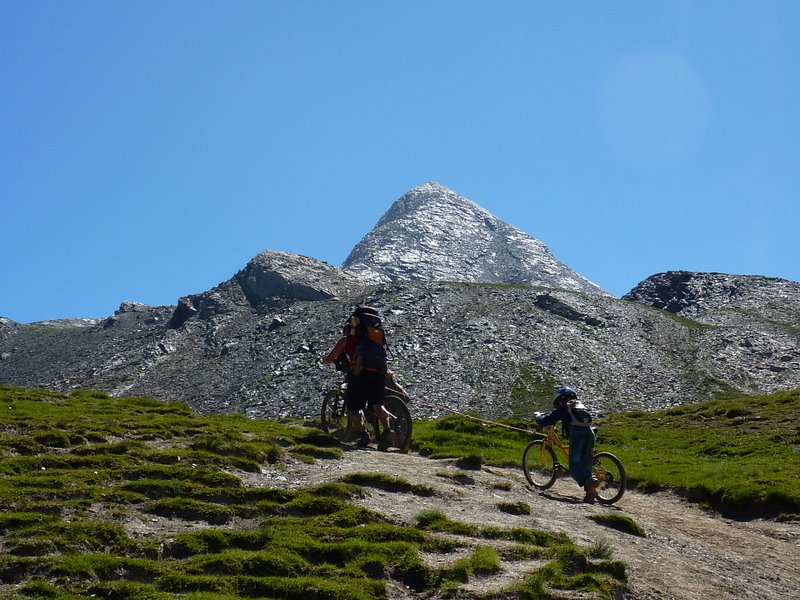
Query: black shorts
[[365, 389]]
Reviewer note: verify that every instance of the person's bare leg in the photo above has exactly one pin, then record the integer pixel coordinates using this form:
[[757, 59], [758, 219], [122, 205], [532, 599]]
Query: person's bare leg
[[356, 420], [383, 414]]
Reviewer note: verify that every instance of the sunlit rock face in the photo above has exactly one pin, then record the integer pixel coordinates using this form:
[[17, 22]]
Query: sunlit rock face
[[433, 234]]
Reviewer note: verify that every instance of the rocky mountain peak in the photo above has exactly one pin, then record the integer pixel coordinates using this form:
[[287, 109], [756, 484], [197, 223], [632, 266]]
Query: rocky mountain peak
[[433, 197], [432, 233]]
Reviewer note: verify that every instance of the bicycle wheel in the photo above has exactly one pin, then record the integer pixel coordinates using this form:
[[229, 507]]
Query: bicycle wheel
[[400, 423], [609, 470], [334, 415], [539, 464]]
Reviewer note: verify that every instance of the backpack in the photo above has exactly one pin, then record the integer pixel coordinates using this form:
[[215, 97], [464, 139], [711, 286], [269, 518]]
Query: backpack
[[579, 415], [367, 322], [371, 344], [373, 355]]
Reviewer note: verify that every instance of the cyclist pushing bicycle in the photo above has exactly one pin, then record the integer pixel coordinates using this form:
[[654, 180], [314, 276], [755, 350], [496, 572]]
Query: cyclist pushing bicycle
[[362, 348], [576, 422]]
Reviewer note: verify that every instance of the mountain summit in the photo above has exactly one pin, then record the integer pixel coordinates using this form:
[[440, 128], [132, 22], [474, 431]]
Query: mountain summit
[[431, 233]]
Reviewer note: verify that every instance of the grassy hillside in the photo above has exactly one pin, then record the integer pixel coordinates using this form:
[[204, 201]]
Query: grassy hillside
[[136, 499], [740, 456], [80, 474]]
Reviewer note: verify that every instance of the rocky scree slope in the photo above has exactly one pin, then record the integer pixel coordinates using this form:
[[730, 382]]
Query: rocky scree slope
[[254, 344], [496, 343], [433, 234]]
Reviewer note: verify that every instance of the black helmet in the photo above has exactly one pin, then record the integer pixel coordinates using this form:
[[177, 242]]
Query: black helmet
[[563, 393]]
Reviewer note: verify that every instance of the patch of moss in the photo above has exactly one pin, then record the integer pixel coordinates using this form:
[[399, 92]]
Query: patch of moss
[[620, 522], [515, 508]]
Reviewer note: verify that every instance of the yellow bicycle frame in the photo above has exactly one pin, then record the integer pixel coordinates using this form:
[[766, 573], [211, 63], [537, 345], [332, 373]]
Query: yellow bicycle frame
[[551, 439]]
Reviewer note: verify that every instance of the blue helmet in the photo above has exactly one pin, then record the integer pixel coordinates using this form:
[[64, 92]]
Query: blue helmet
[[563, 393]]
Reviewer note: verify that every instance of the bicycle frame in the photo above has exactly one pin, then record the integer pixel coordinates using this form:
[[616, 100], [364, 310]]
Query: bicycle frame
[[552, 439], [549, 442]]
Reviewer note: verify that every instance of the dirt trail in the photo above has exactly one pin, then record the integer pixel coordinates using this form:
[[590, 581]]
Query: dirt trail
[[688, 553]]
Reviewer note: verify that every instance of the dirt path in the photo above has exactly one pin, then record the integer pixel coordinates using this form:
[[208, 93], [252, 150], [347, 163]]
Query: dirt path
[[687, 554]]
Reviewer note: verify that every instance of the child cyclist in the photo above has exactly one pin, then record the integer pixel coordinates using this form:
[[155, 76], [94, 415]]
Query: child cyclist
[[577, 426]]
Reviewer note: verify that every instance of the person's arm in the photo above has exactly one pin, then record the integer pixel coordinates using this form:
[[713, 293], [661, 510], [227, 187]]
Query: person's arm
[[337, 350], [549, 419]]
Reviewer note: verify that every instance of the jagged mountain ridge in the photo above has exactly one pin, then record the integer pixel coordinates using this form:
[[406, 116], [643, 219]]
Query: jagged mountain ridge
[[494, 349], [433, 234], [254, 343]]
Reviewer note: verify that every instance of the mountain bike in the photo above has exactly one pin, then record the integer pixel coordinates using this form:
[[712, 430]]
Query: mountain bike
[[541, 467], [336, 421]]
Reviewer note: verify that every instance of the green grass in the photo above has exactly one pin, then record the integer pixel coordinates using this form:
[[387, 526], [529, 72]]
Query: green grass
[[389, 483], [482, 561], [76, 469], [620, 522], [472, 440], [739, 456], [566, 567], [515, 508]]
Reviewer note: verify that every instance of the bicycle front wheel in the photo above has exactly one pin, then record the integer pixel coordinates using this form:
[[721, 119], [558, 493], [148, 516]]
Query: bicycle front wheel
[[609, 470], [400, 422], [334, 415], [539, 464]]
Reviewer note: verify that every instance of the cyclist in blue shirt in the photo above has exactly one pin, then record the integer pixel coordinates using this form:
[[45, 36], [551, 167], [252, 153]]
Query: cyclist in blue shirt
[[576, 422]]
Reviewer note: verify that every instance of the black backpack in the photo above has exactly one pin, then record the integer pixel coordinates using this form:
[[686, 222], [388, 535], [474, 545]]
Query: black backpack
[[371, 344], [367, 322], [373, 355]]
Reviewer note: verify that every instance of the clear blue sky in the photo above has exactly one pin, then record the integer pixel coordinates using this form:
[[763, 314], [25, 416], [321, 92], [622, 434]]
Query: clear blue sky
[[149, 150]]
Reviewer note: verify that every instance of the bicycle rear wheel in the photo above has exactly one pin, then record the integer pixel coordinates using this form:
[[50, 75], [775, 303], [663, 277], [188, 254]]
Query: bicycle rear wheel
[[540, 465], [334, 415], [609, 470], [400, 423]]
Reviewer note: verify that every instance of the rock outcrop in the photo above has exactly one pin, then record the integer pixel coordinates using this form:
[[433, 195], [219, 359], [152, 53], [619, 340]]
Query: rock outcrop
[[717, 298], [268, 278]]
